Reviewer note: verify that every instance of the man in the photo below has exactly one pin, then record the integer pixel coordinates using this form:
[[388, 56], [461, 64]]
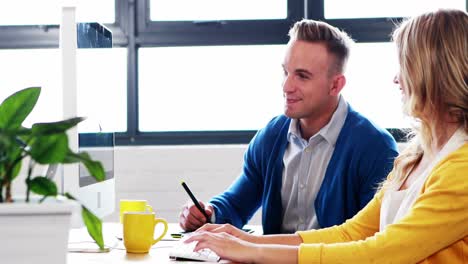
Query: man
[[319, 163]]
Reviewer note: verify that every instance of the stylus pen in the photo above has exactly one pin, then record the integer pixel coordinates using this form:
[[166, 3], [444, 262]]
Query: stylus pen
[[195, 201]]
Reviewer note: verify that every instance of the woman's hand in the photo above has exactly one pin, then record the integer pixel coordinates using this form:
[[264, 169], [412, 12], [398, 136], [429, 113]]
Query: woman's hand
[[229, 229], [226, 245]]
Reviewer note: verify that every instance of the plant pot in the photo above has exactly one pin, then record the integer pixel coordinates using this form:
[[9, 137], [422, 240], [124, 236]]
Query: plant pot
[[35, 232]]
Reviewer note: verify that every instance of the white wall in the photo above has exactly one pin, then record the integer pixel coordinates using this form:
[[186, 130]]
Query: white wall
[[154, 173]]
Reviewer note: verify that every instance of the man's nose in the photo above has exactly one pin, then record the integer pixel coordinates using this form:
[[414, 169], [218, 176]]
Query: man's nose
[[288, 84]]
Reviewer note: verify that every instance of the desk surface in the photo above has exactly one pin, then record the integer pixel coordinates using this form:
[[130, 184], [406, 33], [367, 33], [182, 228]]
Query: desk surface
[[159, 253]]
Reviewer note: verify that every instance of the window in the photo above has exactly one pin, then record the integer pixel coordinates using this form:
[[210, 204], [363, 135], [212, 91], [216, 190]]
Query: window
[[198, 71], [189, 10], [370, 88], [101, 85], [209, 88], [25, 68], [25, 12], [335, 9]]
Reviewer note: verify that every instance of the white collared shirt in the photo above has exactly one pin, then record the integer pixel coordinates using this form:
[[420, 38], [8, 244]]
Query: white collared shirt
[[305, 164]]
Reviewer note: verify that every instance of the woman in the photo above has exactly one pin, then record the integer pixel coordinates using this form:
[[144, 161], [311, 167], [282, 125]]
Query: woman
[[420, 215]]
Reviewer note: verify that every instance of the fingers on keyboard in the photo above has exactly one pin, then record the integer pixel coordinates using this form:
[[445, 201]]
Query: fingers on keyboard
[[185, 251]]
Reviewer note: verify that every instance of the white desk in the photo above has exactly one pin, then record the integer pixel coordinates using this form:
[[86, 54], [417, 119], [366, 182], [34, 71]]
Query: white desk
[[159, 253]]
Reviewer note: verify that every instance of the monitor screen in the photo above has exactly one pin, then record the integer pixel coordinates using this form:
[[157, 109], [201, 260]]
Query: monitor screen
[[100, 146], [93, 35], [99, 197]]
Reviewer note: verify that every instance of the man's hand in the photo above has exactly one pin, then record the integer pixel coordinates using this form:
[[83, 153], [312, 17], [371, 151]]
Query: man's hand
[[191, 218]]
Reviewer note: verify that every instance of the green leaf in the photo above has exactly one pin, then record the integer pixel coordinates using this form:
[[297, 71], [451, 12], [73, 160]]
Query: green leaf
[[12, 155], [5, 144], [92, 222], [43, 186], [94, 226], [16, 170], [73, 157], [55, 127], [50, 148], [94, 168], [15, 108], [23, 131]]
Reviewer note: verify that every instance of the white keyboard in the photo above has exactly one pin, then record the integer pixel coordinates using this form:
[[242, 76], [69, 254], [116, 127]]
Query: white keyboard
[[184, 251]]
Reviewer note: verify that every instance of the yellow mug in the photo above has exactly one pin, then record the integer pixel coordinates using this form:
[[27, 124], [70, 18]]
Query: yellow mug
[[134, 206], [138, 229]]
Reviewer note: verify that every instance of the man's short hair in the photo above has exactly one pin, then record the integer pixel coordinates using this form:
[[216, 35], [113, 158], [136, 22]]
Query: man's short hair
[[337, 42]]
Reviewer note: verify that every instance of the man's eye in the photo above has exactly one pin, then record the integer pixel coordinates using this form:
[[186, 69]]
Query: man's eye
[[303, 76]]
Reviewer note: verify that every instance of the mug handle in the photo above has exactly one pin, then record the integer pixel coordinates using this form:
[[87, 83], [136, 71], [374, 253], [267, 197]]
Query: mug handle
[[149, 208], [164, 222]]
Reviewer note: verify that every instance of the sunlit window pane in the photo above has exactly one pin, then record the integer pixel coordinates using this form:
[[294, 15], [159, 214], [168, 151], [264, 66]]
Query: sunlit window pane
[[102, 89], [239, 87], [395, 8], [101, 85], [170, 10], [370, 88], [209, 88], [34, 12]]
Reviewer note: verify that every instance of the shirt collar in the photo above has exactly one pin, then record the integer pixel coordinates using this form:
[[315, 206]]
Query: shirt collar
[[330, 131]]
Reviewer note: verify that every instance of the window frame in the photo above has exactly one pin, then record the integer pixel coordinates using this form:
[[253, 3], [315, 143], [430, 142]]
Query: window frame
[[360, 29], [133, 29], [239, 32], [149, 33], [47, 35], [214, 32]]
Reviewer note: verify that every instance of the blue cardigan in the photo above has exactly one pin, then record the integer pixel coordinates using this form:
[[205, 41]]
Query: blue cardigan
[[362, 158]]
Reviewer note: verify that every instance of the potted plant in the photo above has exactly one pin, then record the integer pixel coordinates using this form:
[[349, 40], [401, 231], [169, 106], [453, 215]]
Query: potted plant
[[42, 143]]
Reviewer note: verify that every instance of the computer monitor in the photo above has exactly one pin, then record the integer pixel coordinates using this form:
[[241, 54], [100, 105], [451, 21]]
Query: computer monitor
[[99, 197]]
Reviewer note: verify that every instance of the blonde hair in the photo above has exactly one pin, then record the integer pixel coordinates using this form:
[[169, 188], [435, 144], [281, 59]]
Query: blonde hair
[[337, 42], [432, 50]]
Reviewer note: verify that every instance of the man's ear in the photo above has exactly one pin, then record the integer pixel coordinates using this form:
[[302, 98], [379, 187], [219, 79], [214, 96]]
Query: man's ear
[[338, 82]]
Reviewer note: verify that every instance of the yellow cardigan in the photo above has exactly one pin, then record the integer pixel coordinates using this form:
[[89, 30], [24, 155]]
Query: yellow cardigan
[[434, 231]]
